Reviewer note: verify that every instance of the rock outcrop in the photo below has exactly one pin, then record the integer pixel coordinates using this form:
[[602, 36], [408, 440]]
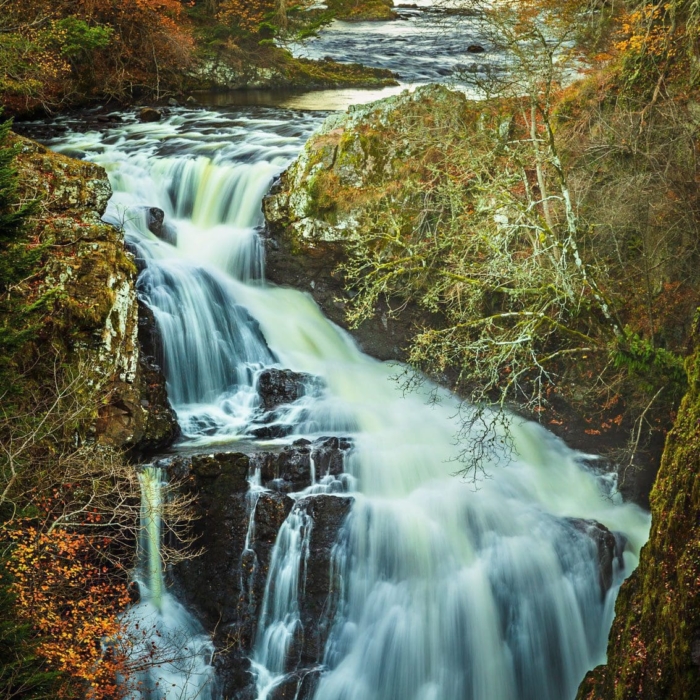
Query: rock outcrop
[[237, 526], [352, 162], [96, 324], [281, 386], [654, 645]]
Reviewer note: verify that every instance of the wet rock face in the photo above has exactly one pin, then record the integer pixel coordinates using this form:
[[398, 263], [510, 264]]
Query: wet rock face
[[291, 469], [226, 584], [281, 386], [237, 528], [321, 592], [608, 545], [300, 685], [160, 428]]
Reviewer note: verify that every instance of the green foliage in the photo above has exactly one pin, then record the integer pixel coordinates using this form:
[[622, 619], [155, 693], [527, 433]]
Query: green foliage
[[654, 636], [78, 39], [12, 216], [18, 256], [655, 366]]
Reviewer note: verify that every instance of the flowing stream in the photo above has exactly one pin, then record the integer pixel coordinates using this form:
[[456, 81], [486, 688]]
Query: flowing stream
[[168, 648], [446, 591]]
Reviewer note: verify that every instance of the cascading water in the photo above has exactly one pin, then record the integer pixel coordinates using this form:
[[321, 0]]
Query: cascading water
[[444, 591], [279, 620], [168, 649]]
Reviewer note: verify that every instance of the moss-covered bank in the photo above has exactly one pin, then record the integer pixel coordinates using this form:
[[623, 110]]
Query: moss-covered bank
[[234, 67], [654, 645], [80, 304]]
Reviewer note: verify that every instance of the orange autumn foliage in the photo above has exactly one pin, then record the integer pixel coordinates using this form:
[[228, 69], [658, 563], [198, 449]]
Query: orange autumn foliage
[[64, 590], [150, 45], [247, 15]]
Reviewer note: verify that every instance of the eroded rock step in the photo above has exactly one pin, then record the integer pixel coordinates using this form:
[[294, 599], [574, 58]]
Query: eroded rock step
[[242, 500]]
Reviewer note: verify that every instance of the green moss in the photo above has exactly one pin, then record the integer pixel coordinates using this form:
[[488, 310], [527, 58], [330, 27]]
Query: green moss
[[321, 202], [362, 10], [653, 646]]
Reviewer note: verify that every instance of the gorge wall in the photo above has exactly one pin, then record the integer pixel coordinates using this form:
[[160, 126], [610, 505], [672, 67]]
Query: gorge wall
[[93, 320], [654, 644]]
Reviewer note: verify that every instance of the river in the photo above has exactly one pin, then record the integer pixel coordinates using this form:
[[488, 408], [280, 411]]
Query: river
[[448, 591]]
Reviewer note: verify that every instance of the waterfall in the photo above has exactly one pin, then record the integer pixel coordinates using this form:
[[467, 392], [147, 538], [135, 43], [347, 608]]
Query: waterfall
[[446, 590], [279, 621], [168, 649], [150, 535]]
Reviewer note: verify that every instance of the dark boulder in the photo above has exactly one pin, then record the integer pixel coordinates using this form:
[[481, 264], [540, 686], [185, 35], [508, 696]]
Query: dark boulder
[[149, 114], [329, 456], [158, 226], [271, 432], [282, 386], [232, 465], [154, 220], [294, 466], [475, 48], [608, 546]]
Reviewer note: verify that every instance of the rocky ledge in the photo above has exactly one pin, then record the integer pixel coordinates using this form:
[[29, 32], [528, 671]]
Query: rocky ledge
[[237, 525], [313, 211], [96, 324]]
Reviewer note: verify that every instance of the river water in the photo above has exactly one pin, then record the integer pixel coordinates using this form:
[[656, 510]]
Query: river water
[[448, 591]]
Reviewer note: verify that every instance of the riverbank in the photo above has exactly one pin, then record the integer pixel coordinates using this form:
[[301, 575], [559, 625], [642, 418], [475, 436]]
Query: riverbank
[[57, 59]]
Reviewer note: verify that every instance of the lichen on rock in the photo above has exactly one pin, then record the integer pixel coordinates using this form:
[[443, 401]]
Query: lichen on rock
[[90, 278], [654, 645]]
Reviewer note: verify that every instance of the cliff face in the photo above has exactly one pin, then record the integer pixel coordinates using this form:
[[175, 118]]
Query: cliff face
[[354, 161], [654, 645], [93, 321]]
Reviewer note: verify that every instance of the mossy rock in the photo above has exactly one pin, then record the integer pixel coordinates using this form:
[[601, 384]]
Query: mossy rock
[[354, 161], [88, 318], [654, 645]]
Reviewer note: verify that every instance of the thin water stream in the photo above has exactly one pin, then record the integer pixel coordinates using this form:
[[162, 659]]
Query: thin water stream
[[447, 592]]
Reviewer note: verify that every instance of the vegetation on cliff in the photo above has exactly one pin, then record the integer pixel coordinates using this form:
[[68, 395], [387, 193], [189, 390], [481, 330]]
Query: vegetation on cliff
[[72, 384], [57, 54], [654, 645], [541, 228]]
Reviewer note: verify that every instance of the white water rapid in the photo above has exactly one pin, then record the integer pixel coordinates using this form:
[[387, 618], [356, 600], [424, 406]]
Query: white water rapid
[[445, 591], [168, 650]]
